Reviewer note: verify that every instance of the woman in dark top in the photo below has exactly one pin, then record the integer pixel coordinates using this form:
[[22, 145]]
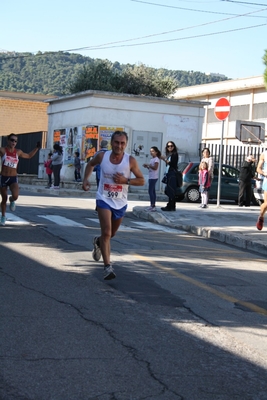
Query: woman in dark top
[[57, 160], [171, 160]]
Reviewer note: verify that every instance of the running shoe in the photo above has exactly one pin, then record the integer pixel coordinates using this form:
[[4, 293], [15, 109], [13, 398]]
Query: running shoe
[[12, 205], [3, 220], [96, 253], [109, 272], [149, 208], [260, 223], [153, 209]]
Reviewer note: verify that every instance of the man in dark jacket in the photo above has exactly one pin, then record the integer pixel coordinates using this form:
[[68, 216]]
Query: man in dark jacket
[[247, 172]]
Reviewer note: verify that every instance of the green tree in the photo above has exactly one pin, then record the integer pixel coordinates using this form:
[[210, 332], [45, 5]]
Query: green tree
[[51, 72], [137, 79], [95, 76]]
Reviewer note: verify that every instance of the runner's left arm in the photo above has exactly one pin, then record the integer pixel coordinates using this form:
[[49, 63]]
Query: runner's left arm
[[139, 179], [21, 154]]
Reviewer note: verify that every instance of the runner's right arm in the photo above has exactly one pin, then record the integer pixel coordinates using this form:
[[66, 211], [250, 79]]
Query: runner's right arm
[[89, 169], [260, 165]]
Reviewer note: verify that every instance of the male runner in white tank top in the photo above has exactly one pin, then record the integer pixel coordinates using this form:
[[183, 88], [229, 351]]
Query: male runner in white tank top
[[111, 197]]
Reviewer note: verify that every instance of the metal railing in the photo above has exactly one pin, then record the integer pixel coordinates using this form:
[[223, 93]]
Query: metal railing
[[232, 155]]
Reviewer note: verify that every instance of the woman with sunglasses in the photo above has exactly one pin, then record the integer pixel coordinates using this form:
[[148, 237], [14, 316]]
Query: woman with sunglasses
[[171, 160], [10, 158]]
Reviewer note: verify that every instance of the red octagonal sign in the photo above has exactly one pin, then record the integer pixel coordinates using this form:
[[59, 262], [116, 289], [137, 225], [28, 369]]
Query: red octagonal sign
[[222, 109]]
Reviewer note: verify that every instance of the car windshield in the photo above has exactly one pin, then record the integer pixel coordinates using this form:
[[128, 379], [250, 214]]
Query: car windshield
[[182, 166], [227, 171]]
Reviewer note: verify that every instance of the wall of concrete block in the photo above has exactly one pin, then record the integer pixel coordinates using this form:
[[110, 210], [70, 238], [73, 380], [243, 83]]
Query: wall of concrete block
[[22, 116]]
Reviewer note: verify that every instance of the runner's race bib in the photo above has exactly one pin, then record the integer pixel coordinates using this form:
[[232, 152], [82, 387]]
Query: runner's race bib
[[10, 162], [112, 191]]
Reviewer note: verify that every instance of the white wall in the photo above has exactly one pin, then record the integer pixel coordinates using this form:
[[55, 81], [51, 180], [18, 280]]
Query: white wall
[[180, 121], [240, 92]]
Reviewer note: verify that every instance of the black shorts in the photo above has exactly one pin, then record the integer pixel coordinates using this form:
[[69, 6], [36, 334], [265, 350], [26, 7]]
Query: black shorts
[[8, 180]]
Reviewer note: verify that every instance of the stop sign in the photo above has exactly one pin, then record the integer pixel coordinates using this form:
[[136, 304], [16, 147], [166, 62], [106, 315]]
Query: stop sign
[[222, 109]]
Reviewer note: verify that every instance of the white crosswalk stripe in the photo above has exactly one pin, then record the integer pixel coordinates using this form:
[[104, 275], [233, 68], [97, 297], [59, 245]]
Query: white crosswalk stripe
[[162, 228], [122, 228], [143, 225], [12, 219], [62, 221]]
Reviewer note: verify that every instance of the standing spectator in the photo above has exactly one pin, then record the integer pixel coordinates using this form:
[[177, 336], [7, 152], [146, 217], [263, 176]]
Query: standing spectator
[[209, 160], [9, 179], [171, 160], [48, 170], [153, 175], [204, 183], [57, 159], [247, 172], [77, 166], [262, 170]]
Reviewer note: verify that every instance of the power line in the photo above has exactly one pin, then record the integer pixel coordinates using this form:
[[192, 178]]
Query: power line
[[191, 9], [242, 2], [173, 40], [111, 44], [164, 33]]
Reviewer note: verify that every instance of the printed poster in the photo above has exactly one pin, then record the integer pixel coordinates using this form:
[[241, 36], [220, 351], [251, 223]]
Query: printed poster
[[89, 142], [73, 143]]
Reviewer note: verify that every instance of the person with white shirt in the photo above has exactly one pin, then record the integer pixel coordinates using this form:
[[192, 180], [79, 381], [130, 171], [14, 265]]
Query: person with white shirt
[[153, 176], [112, 193]]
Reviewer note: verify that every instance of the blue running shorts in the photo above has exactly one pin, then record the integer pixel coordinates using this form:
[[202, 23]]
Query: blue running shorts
[[116, 214]]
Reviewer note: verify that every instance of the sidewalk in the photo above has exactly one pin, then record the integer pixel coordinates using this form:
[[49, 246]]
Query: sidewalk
[[227, 223]]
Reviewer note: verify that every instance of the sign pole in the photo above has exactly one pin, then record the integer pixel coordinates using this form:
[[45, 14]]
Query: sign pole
[[221, 111], [220, 169]]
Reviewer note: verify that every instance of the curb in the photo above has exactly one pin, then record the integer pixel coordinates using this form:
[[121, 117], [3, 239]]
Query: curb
[[58, 192], [218, 235]]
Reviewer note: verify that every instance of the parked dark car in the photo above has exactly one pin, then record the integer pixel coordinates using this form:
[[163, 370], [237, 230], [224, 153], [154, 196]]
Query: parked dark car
[[229, 183]]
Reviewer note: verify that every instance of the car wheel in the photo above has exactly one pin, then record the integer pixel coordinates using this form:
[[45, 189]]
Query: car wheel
[[192, 194], [179, 197]]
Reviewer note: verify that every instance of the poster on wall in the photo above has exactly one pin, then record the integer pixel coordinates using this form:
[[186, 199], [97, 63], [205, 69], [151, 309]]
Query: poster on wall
[[83, 139], [70, 139], [73, 143], [105, 133], [59, 137], [89, 142]]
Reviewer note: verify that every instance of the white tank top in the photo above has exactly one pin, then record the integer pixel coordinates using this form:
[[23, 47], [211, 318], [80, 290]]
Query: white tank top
[[115, 195]]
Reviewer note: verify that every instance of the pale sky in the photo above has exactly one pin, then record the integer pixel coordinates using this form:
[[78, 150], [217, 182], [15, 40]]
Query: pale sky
[[207, 36]]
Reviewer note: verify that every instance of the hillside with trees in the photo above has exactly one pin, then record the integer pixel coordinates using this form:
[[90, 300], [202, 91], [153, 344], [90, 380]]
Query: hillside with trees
[[61, 73]]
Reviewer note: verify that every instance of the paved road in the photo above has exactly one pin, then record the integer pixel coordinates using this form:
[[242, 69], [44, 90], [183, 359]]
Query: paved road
[[169, 327], [227, 223]]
